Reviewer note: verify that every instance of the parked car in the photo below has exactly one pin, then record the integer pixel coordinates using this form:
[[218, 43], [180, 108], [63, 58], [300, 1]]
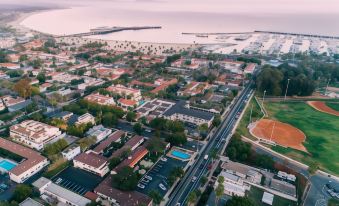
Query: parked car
[[141, 186], [162, 187]]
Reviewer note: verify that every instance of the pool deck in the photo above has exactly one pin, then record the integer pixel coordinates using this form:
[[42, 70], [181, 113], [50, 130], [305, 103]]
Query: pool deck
[[7, 161], [188, 152]]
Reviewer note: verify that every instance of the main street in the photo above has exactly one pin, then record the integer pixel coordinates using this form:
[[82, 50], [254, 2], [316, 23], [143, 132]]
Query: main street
[[217, 141]]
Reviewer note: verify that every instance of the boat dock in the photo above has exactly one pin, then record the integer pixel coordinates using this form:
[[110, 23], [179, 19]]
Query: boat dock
[[107, 30]]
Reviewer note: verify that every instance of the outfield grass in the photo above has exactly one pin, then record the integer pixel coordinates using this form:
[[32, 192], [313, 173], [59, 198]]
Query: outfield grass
[[256, 114], [255, 194], [334, 106], [321, 132]]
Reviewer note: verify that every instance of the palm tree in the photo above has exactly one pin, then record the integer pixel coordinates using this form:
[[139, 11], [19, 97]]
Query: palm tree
[[192, 198]]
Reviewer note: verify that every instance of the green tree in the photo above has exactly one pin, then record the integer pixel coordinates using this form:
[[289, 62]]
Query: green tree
[[216, 121], [192, 198], [156, 196], [125, 179], [219, 191], [155, 145], [114, 162], [109, 119], [177, 138], [239, 201], [269, 80], [23, 88], [313, 167], [137, 127], [21, 192], [130, 116], [41, 77]]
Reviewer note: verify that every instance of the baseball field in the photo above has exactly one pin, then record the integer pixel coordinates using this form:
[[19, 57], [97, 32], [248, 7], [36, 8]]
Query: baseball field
[[321, 130]]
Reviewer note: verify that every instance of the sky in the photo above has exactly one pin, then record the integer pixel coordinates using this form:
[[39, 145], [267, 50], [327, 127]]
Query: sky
[[263, 6]]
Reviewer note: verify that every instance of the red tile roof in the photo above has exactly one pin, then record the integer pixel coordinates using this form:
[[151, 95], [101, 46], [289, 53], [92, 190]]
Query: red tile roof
[[91, 159], [112, 138]]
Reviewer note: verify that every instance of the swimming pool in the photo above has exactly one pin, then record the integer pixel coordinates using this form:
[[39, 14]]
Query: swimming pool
[[180, 155], [7, 165]]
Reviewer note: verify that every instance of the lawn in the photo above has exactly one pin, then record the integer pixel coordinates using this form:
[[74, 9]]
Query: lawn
[[333, 105], [255, 194], [321, 132], [256, 114]]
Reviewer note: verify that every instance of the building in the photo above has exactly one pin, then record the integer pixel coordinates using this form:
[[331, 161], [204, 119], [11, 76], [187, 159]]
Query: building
[[194, 88], [71, 152], [285, 176], [64, 115], [33, 161], [154, 108], [11, 101], [2, 106], [30, 202], [233, 185], [10, 66], [85, 119], [100, 99], [90, 82], [127, 93], [114, 137], [99, 131], [121, 198], [267, 198], [137, 155], [50, 192], [247, 173], [131, 145], [91, 162], [249, 69], [284, 187], [163, 84], [183, 112], [127, 104], [35, 134], [4, 75], [232, 66]]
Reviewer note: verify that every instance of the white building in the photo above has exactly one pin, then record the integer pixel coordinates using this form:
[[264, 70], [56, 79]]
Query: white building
[[35, 134], [99, 131], [91, 162], [100, 99], [233, 185], [85, 119], [10, 66], [71, 152], [33, 163], [51, 191]]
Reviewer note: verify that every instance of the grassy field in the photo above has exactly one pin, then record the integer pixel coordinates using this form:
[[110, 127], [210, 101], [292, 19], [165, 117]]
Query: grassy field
[[255, 194], [321, 130], [334, 106], [256, 114]]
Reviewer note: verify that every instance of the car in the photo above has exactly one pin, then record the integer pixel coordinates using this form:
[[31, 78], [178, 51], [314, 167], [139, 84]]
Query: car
[[205, 157], [164, 159], [148, 177], [148, 130], [162, 187], [194, 178], [141, 186], [145, 180]]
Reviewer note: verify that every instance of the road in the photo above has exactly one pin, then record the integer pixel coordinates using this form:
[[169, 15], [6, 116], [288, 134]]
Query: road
[[200, 166]]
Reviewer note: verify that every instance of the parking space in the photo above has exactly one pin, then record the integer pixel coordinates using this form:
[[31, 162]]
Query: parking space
[[156, 178], [77, 180]]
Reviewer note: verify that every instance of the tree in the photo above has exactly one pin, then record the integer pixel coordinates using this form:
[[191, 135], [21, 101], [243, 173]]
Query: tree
[[23, 88], [177, 138], [239, 201], [3, 57], [216, 121], [125, 179], [56, 147], [114, 162], [155, 145], [203, 180], [192, 198], [130, 116], [21, 192], [219, 191], [176, 172], [203, 128], [269, 80], [109, 119], [138, 128], [41, 77], [313, 167], [156, 196]]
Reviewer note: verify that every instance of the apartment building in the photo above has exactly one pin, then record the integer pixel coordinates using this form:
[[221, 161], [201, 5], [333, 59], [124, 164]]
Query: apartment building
[[85, 119], [35, 134], [100, 99], [99, 131], [91, 162], [125, 92], [233, 185], [71, 152], [33, 162]]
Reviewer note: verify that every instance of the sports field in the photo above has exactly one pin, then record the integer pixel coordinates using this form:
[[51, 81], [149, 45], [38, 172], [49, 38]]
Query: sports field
[[321, 130], [323, 107], [280, 133]]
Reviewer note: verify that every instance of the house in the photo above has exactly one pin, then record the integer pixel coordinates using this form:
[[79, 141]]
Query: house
[[70, 152], [90, 82], [64, 115], [51, 191], [131, 145], [163, 84], [30, 202], [33, 162], [127, 104], [284, 187], [247, 173], [232, 66], [35, 134], [44, 86], [136, 155], [33, 44], [183, 112], [2, 106], [100, 99], [121, 198], [133, 94], [85, 119], [249, 69], [10, 66], [4, 75], [15, 104], [92, 162], [14, 58], [194, 88], [99, 131]]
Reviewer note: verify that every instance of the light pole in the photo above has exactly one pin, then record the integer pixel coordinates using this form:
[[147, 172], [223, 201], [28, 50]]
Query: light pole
[[288, 82], [327, 85], [263, 98]]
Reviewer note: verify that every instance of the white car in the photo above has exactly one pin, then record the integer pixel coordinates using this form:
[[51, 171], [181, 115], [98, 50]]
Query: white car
[[162, 186], [194, 178], [164, 159], [141, 186], [148, 177]]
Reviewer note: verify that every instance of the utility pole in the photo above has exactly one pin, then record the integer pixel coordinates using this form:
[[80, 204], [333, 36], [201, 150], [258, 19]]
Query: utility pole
[[263, 98], [251, 114], [288, 82], [328, 82]]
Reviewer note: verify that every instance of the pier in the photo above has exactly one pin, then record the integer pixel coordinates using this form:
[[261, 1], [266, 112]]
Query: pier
[[107, 30]]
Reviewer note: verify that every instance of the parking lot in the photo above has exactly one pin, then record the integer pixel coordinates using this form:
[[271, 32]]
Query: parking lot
[[77, 180], [158, 175]]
